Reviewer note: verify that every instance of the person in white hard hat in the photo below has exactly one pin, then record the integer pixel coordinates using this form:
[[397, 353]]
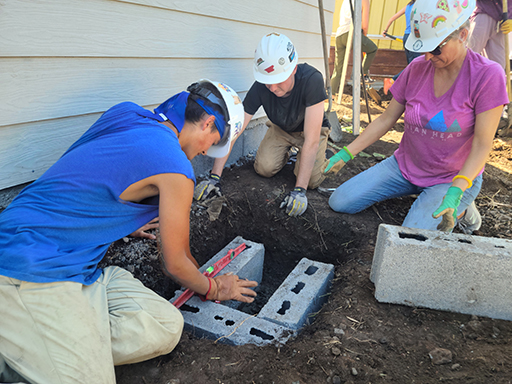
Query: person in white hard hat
[[64, 320], [292, 96], [452, 99]]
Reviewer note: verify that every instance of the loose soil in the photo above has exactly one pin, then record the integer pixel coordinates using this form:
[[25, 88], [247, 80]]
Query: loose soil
[[354, 338]]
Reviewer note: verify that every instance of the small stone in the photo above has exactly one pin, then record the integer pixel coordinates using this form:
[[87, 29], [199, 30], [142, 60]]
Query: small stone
[[440, 356], [125, 239], [339, 331], [353, 371], [383, 340], [336, 351], [455, 367], [336, 380]]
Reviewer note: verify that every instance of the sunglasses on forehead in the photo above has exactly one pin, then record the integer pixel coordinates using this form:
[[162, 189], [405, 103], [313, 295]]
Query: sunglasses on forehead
[[437, 51]]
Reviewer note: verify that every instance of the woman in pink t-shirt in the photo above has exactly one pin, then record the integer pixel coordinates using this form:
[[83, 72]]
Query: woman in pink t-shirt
[[452, 99]]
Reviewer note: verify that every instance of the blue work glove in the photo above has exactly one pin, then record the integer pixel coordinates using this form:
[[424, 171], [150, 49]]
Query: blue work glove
[[206, 187], [338, 161], [295, 202], [448, 209]]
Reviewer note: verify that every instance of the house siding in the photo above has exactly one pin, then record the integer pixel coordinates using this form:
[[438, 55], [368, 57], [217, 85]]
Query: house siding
[[64, 62]]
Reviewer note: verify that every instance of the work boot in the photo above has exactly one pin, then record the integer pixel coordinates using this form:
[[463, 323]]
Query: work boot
[[471, 221]]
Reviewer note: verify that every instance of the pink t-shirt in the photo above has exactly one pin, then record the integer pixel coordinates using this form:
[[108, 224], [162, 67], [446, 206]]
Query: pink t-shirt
[[439, 131]]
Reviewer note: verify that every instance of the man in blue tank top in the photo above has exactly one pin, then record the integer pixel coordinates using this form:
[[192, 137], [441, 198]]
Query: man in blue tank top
[[64, 320]]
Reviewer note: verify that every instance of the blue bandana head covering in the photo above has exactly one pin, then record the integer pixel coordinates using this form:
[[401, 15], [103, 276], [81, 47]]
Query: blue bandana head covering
[[173, 109], [220, 123]]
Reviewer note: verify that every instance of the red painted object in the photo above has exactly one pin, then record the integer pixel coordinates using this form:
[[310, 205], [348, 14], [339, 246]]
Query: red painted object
[[211, 272]]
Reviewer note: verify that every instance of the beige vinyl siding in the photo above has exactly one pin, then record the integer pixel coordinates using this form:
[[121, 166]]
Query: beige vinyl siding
[[64, 62]]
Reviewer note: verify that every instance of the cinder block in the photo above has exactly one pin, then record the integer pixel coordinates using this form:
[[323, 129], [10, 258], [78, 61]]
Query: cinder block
[[223, 321], [302, 293], [230, 326], [452, 272], [247, 265]]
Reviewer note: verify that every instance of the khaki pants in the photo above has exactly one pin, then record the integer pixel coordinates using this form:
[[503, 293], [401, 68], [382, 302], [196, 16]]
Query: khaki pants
[[272, 154], [66, 332]]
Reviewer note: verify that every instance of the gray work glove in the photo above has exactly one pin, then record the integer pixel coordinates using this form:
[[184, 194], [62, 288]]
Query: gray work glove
[[207, 187], [295, 202]]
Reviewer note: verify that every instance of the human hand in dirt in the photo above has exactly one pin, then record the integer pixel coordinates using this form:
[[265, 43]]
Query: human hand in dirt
[[141, 232], [338, 161], [206, 187], [448, 209], [506, 26], [230, 287], [295, 202]]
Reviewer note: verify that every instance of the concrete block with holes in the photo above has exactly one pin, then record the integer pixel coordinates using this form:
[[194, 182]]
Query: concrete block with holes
[[223, 321], [451, 272], [247, 265], [301, 295], [230, 326]]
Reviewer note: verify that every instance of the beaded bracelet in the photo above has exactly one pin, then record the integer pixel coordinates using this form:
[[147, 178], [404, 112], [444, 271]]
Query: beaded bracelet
[[470, 183]]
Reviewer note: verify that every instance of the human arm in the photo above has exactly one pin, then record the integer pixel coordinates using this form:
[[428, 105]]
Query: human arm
[[175, 200], [486, 124], [365, 17], [313, 119], [141, 232], [296, 202], [397, 15], [373, 132], [219, 163], [204, 189]]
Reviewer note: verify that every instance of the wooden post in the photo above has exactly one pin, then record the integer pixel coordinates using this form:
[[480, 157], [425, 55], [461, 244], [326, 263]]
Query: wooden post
[[507, 51], [345, 63]]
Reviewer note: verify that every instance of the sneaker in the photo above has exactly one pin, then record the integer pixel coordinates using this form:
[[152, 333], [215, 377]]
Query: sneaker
[[368, 79], [471, 221]]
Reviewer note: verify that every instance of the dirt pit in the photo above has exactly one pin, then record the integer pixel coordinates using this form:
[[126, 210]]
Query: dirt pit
[[354, 338]]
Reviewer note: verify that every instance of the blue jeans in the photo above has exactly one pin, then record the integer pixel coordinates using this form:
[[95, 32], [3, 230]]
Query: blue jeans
[[385, 181]]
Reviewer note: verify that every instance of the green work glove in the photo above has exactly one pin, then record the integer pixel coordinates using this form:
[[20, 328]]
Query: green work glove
[[295, 202], [506, 26], [206, 187], [448, 209], [338, 161]]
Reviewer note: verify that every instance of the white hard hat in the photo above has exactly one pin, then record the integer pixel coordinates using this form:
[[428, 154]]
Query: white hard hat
[[274, 59], [232, 110], [433, 21]]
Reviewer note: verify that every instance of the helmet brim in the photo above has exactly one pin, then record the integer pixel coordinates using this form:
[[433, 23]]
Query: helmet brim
[[274, 79], [236, 116]]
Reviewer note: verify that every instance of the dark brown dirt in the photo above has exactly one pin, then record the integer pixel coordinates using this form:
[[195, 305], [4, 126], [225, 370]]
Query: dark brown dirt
[[381, 342]]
